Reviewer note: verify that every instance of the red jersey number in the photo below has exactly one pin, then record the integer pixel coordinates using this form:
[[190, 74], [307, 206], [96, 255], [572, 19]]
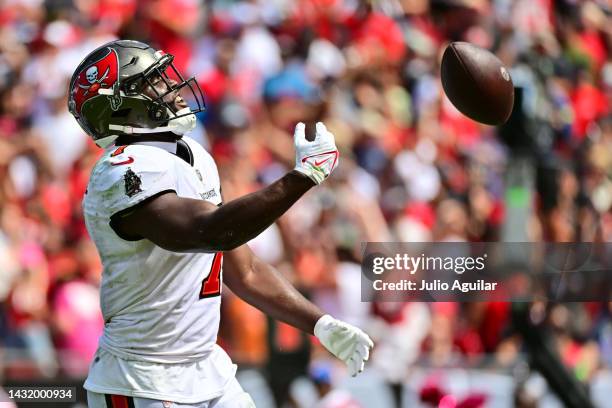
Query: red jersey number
[[211, 285]]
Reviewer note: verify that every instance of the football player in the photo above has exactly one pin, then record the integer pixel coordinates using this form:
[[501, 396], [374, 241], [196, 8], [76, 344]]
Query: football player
[[153, 209]]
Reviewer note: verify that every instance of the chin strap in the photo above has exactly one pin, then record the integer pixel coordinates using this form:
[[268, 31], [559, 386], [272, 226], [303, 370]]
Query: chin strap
[[130, 130], [154, 138], [178, 126]]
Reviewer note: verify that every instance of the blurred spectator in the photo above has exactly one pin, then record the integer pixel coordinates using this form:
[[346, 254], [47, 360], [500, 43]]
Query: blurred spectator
[[320, 374]]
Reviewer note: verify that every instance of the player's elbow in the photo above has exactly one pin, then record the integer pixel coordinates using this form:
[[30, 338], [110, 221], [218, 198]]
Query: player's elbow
[[200, 238], [200, 243], [222, 241], [242, 281], [215, 234]]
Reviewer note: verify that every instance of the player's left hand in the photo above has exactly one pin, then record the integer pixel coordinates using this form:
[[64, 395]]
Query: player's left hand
[[316, 159], [349, 343]]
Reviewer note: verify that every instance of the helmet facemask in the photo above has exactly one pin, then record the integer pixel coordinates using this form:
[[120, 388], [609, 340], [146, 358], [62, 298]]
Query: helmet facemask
[[161, 84]]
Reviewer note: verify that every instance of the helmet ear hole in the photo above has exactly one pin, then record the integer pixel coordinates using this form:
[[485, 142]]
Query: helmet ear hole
[[157, 112], [132, 87]]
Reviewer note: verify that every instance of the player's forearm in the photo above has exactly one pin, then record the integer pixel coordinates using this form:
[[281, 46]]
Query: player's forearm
[[265, 288], [240, 220]]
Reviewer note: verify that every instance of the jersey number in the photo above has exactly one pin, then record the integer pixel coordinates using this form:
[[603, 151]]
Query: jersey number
[[211, 285]]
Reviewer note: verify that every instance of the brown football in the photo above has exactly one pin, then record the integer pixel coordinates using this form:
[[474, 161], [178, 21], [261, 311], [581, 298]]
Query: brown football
[[477, 83]]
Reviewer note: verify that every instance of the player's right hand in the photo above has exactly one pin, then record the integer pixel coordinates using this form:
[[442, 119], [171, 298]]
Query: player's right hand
[[344, 341], [316, 159]]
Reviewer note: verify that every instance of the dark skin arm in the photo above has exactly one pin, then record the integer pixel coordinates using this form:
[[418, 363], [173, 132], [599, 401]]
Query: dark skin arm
[[184, 224], [264, 287]]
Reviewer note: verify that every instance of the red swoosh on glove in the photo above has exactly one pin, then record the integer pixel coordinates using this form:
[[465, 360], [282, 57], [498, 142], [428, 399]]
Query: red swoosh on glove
[[334, 152]]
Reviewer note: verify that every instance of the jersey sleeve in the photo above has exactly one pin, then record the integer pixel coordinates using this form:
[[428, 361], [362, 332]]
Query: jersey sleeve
[[131, 176]]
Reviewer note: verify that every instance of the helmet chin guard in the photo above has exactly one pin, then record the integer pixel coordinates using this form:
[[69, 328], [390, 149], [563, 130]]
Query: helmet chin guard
[[184, 122], [115, 92]]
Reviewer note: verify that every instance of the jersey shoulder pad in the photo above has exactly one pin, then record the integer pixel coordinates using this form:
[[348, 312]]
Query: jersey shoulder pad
[[204, 161], [128, 175], [196, 148]]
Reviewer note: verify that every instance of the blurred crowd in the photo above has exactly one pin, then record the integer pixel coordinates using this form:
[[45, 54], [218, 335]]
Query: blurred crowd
[[412, 168]]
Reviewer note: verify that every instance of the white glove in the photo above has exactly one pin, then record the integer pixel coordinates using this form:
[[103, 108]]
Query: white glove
[[344, 341], [316, 159]]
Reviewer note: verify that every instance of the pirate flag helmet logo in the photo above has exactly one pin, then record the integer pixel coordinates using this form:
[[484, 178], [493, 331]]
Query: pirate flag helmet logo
[[100, 74]]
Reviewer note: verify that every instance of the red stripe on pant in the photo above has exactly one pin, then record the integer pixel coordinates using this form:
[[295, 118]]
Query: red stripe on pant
[[119, 401]]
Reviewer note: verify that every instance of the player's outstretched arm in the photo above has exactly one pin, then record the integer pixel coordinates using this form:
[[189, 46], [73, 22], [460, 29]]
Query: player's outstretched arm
[[264, 287], [182, 224]]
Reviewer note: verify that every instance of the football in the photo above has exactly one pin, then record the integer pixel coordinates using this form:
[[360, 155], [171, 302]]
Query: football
[[477, 83]]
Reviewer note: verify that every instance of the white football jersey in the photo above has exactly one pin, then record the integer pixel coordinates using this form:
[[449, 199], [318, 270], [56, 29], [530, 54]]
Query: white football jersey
[[159, 307]]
